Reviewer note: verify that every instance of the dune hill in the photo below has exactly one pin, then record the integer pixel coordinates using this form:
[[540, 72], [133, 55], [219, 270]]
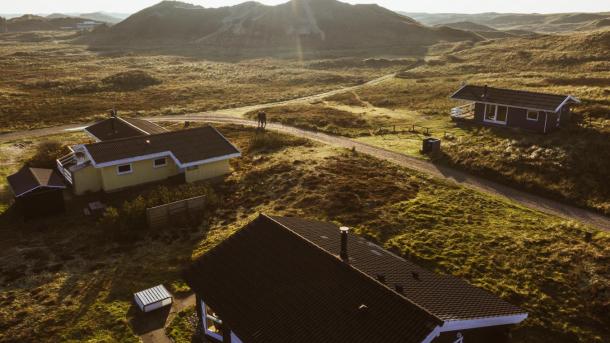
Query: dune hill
[[30, 22], [545, 23], [298, 25]]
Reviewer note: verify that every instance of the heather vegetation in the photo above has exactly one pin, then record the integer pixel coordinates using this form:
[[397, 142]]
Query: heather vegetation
[[70, 279], [47, 80], [568, 164]]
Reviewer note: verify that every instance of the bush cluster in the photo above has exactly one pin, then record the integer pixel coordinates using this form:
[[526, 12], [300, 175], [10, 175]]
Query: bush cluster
[[129, 219]]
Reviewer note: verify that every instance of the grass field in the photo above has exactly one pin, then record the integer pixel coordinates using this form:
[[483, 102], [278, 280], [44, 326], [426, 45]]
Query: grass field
[[569, 165], [71, 278], [47, 81]]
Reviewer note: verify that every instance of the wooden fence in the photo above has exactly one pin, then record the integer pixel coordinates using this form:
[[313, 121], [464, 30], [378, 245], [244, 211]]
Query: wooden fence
[[161, 215]]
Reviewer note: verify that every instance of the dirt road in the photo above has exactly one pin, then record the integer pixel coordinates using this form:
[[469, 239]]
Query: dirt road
[[235, 116], [480, 184]]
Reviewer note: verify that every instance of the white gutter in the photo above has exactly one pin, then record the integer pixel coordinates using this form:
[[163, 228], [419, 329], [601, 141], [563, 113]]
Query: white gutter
[[458, 325], [546, 116], [159, 155], [455, 325], [568, 98]]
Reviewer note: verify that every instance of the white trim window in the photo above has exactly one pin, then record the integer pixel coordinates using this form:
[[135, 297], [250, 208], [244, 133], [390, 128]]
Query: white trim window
[[495, 114], [212, 324], [124, 169], [160, 162], [533, 115]]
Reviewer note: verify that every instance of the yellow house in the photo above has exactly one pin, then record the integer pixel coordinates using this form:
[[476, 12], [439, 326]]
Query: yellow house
[[112, 165]]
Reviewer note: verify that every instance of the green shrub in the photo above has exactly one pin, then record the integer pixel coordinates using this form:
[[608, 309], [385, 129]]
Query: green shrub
[[130, 217], [46, 154]]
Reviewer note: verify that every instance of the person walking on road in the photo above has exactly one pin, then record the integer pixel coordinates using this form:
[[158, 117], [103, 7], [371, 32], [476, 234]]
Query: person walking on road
[[262, 119]]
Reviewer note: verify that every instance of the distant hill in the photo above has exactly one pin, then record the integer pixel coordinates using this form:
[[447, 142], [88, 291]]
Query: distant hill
[[544, 23], [101, 17], [30, 22], [482, 30], [299, 26], [57, 16], [470, 26]]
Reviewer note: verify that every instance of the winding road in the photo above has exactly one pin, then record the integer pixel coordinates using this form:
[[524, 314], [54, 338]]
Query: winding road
[[235, 116]]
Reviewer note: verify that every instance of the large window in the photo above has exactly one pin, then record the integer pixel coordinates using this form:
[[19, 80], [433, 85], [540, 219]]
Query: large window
[[211, 322], [496, 114], [124, 169], [490, 112], [532, 115], [160, 162]]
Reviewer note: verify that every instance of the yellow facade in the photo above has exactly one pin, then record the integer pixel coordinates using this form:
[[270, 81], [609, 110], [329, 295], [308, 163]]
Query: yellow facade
[[141, 172], [87, 179], [90, 179], [207, 171]]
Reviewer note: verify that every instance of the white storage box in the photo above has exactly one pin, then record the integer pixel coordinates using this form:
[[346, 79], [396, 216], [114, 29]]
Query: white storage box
[[153, 298]]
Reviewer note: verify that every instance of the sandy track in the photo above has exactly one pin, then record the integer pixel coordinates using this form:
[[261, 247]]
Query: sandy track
[[474, 182], [235, 116]]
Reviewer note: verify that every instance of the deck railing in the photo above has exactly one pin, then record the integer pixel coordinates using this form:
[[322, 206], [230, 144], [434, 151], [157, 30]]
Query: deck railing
[[463, 112], [63, 165]]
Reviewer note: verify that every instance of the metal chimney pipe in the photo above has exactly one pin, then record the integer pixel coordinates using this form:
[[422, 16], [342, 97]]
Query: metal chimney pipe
[[343, 254]]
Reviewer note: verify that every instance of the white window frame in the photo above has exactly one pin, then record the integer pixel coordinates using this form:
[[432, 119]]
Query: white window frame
[[205, 325], [527, 116], [160, 165], [494, 120], [123, 165]]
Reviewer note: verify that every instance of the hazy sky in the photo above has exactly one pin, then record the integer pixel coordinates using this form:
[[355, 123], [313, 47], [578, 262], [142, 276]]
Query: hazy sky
[[460, 6]]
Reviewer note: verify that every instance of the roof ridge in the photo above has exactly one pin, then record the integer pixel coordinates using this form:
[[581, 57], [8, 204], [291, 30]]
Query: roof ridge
[[339, 262], [519, 90], [132, 125], [30, 169], [150, 135]]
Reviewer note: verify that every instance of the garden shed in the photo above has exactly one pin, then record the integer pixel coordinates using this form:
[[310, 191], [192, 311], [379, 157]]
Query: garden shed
[[153, 298], [38, 192]]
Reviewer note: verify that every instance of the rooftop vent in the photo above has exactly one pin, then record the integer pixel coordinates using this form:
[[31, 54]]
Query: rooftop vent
[[343, 254], [399, 289], [381, 278], [415, 275]]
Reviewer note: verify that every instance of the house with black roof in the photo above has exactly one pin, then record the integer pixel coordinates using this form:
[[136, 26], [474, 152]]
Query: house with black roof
[[114, 164], [38, 192], [540, 112], [117, 127], [285, 279]]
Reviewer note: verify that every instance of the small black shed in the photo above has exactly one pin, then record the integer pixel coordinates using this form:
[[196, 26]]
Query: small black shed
[[38, 192]]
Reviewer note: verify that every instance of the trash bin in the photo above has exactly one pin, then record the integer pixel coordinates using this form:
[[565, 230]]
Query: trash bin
[[431, 145]]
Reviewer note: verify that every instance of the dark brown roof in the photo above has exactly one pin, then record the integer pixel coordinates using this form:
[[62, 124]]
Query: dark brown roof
[[187, 146], [445, 296], [29, 179], [145, 125], [118, 128], [515, 98], [271, 285]]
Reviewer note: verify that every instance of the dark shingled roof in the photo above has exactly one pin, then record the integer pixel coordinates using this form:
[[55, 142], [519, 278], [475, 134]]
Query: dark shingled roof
[[118, 128], [445, 296], [515, 98], [271, 285], [28, 179], [187, 146], [280, 280]]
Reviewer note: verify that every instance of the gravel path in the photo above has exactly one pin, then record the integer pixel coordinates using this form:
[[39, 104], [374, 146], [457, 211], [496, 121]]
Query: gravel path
[[474, 182], [235, 116]]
